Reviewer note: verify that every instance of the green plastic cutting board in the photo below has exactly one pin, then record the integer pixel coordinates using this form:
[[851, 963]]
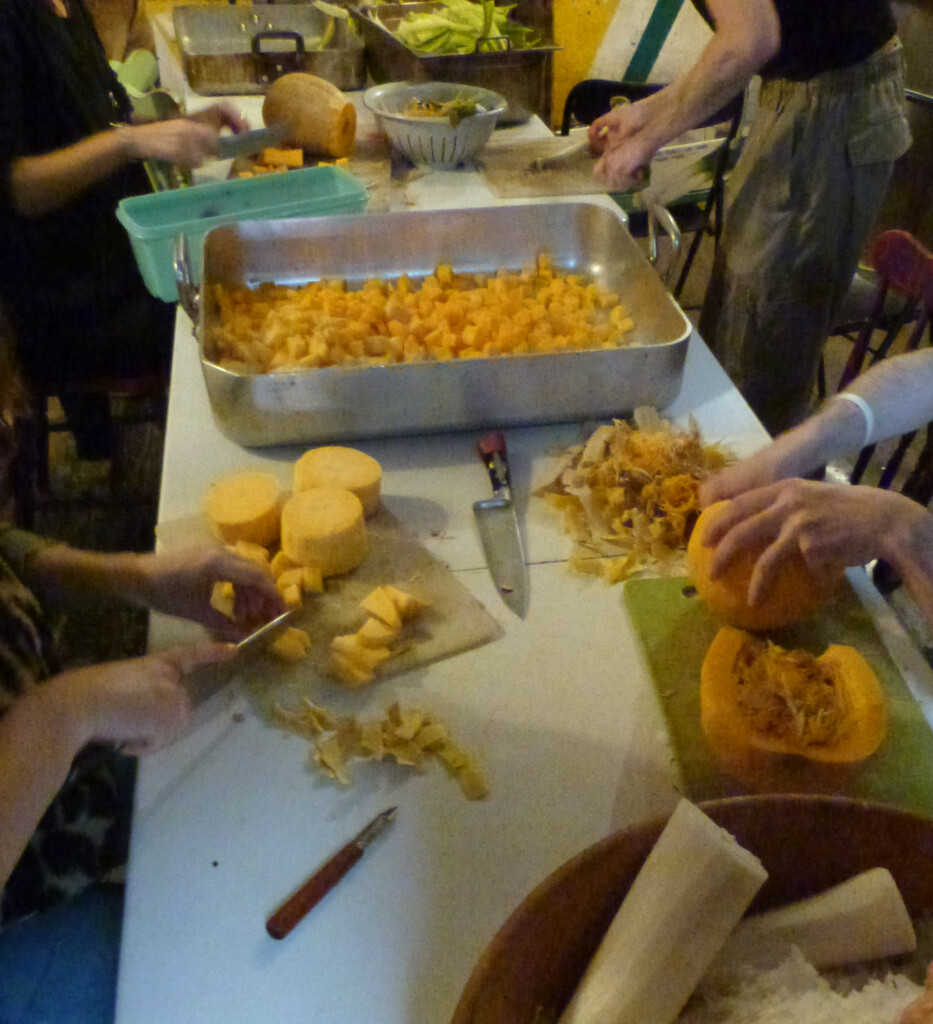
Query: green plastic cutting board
[[675, 631]]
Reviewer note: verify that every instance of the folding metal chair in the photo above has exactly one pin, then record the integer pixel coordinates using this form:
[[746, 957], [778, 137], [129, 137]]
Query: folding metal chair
[[592, 98]]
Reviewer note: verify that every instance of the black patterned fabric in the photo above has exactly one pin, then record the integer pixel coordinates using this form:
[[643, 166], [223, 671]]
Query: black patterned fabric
[[83, 836], [68, 278]]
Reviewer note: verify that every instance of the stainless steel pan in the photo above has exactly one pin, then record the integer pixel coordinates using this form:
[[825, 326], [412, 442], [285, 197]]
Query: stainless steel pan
[[353, 402]]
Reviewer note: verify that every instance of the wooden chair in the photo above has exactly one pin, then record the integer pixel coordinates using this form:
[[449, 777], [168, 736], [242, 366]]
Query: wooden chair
[[592, 98], [902, 296], [144, 399]]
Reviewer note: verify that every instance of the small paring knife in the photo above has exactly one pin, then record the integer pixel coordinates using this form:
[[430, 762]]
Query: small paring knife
[[580, 145], [543, 163], [206, 680], [305, 898], [261, 637], [498, 527]]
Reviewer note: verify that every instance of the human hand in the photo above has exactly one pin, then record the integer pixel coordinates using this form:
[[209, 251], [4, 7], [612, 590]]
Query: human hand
[[837, 428], [221, 115], [141, 703], [627, 145], [759, 470], [830, 525], [181, 582], [184, 141]]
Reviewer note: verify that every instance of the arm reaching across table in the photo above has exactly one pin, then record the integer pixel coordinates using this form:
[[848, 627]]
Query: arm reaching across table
[[58, 728], [176, 583], [899, 395], [746, 36], [829, 524]]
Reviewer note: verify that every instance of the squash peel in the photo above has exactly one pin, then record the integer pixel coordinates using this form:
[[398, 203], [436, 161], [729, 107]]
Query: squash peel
[[786, 721]]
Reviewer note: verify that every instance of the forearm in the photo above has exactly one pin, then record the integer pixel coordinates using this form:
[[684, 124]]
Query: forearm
[[62, 574], [837, 429], [38, 742], [746, 35], [899, 391], [43, 184]]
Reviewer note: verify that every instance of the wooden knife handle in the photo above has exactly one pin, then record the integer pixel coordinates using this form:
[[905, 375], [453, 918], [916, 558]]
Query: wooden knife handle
[[493, 453], [313, 891]]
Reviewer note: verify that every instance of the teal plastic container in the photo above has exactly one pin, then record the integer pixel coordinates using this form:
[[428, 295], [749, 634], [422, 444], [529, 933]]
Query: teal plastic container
[[154, 221]]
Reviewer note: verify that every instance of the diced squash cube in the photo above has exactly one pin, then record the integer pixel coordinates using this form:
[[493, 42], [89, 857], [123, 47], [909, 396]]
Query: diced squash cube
[[376, 633], [290, 578], [408, 605], [355, 651], [347, 672], [252, 553], [291, 595], [291, 645], [281, 563], [378, 603], [222, 598]]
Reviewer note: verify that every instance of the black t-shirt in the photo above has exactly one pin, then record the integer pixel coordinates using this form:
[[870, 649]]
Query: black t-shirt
[[821, 35], [57, 88]]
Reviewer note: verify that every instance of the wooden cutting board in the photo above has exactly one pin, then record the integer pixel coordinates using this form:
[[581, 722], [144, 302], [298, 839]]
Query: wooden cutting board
[[454, 622], [370, 162], [675, 631], [506, 169]]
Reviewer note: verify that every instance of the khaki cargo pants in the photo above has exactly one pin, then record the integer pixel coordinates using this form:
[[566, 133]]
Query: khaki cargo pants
[[800, 206]]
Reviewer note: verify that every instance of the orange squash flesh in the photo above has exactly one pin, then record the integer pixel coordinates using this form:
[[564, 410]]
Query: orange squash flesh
[[762, 758], [795, 593]]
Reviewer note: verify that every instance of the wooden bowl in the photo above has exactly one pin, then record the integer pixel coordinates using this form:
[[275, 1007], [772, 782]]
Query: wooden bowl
[[806, 843]]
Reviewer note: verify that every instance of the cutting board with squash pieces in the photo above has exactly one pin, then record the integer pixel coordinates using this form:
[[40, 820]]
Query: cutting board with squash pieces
[[675, 630], [453, 623], [677, 170]]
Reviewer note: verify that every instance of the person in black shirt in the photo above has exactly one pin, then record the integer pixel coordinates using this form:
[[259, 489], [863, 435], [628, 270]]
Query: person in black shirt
[[802, 200], [68, 278]]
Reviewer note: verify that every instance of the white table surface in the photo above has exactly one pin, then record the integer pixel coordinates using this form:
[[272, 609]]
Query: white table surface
[[559, 712]]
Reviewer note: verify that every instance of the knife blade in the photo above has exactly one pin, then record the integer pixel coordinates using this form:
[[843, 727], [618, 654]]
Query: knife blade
[[305, 898], [204, 681], [248, 143], [266, 633], [498, 527]]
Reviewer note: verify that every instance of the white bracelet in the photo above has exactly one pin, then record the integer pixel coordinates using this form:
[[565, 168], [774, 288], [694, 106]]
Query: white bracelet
[[857, 400]]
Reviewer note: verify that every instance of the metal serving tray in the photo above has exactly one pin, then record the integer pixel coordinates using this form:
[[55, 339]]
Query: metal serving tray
[[234, 49], [340, 403], [523, 77]]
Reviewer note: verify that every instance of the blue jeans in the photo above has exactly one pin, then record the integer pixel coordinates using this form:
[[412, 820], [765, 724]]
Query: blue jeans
[[61, 966]]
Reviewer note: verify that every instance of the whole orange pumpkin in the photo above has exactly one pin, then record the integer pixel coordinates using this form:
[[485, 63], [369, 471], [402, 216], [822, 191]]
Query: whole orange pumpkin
[[795, 592]]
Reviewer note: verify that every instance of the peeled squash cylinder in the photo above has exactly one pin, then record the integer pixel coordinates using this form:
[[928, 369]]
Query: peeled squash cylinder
[[324, 527], [690, 893], [334, 466], [245, 507], [316, 115]]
